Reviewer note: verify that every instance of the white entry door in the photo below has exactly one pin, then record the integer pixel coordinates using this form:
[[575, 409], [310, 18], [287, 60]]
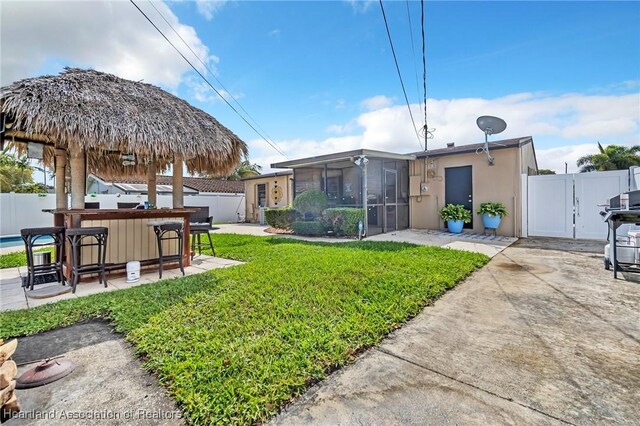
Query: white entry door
[[592, 190]]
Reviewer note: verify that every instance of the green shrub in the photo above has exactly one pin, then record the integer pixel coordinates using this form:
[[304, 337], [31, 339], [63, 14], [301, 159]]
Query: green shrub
[[311, 203], [312, 228], [455, 212], [493, 209], [343, 220], [281, 218]]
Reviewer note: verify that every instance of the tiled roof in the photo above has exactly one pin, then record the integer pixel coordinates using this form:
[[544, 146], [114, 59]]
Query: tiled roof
[[198, 183], [463, 149]]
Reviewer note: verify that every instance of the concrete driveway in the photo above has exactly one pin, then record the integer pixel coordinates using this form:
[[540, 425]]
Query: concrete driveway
[[540, 335]]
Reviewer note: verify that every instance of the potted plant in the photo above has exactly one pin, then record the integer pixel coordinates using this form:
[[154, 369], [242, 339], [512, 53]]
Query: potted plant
[[456, 216], [492, 213]]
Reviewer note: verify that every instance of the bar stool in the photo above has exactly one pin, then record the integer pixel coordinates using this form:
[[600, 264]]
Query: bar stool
[[196, 230], [87, 237], [168, 231], [35, 237]]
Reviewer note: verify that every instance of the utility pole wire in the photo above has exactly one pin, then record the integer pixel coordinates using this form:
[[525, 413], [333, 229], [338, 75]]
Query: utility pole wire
[[207, 81], [395, 59], [210, 72]]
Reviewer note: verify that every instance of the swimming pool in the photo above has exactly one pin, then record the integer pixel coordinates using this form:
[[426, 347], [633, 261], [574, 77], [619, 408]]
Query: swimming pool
[[17, 241]]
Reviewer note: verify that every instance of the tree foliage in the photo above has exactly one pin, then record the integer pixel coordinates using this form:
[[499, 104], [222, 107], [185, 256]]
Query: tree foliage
[[613, 157], [16, 174], [546, 172], [245, 169]]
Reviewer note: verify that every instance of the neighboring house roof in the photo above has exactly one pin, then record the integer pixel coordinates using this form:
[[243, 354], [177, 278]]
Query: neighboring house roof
[[267, 175], [198, 184], [142, 187], [465, 149]]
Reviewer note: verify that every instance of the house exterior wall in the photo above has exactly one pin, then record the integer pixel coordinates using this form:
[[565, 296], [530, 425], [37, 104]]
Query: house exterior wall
[[497, 183], [251, 192], [528, 162]]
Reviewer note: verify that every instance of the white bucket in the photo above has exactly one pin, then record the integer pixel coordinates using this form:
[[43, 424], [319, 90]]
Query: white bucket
[[133, 271]]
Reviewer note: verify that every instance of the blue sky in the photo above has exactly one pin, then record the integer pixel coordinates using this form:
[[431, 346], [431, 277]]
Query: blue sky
[[319, 76]]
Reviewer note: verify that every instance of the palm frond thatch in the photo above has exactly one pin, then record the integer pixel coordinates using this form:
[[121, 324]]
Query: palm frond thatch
[[104, 113]]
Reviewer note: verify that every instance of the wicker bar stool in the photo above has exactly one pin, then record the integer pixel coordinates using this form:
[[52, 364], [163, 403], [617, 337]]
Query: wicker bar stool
[[168, 231], [87, 237], [36, 237], [196, 231]]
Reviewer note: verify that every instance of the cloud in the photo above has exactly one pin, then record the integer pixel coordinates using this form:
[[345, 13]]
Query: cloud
[[360, 6], [564, 127], [110, 36], [274, 33], [555, 158], [208, 8], [377, 102]]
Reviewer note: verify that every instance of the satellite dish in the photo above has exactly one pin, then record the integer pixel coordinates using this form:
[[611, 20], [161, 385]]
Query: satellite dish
[[490, 126]]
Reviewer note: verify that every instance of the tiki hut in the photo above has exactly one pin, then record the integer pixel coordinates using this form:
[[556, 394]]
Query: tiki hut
[[94, 119]]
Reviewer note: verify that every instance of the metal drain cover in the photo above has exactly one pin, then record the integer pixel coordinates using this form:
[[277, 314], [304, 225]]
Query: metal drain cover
[[47, 372]]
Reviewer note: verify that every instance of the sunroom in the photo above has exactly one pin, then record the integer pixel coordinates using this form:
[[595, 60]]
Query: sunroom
[[346, 176]]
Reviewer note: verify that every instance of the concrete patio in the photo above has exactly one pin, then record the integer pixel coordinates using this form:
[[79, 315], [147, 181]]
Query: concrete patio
[[13, 296]]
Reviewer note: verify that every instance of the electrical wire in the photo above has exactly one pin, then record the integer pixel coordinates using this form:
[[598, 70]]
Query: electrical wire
[[395, 59], [210, 72], [413, 50], [273, 145], [427, 133]]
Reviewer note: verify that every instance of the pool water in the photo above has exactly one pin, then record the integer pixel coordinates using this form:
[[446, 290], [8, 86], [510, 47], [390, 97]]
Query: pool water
[[17, 241]]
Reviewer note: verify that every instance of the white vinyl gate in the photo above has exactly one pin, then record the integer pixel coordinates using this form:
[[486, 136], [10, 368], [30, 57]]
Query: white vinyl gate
[[569, 206]]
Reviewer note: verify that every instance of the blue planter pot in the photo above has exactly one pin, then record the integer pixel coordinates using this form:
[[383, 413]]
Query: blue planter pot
[[491, 222], [455, 226]]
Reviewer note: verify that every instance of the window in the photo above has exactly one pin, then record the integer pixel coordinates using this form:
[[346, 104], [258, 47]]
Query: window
[[262, 195]]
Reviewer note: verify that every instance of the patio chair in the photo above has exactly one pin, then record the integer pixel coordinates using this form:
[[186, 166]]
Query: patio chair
[[169, 231], [200, 223], [37, 237], [87, 237]]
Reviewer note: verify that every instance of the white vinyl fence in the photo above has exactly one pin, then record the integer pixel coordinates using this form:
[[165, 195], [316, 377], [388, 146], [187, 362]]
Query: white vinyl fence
[[19, 211], [569, 206]]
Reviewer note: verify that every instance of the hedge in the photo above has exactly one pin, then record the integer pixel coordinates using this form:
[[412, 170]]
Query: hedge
[[281, 218], [343, 220], [312, 228], [311, 203]]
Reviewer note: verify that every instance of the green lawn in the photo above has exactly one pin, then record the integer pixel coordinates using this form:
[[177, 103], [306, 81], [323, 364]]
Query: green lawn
[[234, 345], [12, 260]]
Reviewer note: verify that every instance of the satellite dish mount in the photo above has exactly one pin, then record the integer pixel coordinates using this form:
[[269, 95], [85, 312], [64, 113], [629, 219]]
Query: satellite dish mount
[[490, 126]]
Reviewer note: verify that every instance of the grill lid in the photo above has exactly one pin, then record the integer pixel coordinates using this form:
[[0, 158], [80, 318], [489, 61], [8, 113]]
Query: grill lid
[[47, 372]]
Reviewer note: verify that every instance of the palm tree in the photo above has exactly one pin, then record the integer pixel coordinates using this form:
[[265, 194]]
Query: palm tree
[[245, 169], [613, 157]]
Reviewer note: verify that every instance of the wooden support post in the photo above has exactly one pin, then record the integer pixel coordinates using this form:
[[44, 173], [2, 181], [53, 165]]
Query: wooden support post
[[78, 177], [178, 196], [61, 175], [151, 183]]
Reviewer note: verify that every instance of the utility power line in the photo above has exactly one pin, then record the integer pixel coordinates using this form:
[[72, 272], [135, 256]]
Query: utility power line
[[273, 145], [395, 59], [428, 133], [210, 72], [413, 50]]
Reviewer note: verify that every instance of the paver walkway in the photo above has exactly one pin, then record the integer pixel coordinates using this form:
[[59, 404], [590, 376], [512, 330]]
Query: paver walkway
[[14, 296], [540, 335]]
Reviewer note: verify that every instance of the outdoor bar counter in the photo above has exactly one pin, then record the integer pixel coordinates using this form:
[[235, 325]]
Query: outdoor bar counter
[[131, 236]]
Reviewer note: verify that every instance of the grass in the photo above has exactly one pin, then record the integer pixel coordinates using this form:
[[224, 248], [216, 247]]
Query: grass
[[19, 258], [234, 345]]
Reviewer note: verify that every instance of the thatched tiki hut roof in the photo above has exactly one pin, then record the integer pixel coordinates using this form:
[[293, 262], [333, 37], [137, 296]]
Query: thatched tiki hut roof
[[98, 113]]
